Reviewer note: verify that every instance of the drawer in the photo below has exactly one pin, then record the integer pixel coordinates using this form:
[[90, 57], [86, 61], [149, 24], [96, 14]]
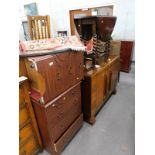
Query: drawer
[[66, 120], [31, 147], [23, 116], [25, 133], [58, 109], [60, 144]]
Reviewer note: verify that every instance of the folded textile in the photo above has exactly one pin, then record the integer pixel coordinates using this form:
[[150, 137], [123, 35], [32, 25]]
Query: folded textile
[[72, 42]]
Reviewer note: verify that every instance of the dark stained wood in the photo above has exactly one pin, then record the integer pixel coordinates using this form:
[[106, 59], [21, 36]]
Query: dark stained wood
[[55, 118], [97, 86], [55, 73], [73, 13], [126, 55]]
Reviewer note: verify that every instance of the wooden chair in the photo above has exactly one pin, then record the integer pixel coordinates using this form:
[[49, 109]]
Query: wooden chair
[[39, 27]]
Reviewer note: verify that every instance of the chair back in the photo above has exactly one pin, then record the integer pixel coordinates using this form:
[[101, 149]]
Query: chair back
[[39, 27]]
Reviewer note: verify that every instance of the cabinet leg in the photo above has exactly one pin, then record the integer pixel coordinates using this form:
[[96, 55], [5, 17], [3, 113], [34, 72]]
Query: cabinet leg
[[91, 120], [114, 91]]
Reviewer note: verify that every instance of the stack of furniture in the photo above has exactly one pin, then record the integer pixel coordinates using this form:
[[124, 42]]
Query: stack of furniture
[[126, 55], [56, 96], [100, 78], [29, 137]]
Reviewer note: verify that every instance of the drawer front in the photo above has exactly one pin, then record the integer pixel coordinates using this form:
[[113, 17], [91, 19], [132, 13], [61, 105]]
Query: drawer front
[[23, 116], [60, 144], [66, 121], [29, 148], [64, 111], [25, 133], [56, 111]]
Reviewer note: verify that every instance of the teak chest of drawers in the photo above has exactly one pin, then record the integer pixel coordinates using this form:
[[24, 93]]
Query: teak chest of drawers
[[29, 137], [98, 85], [56, 96]]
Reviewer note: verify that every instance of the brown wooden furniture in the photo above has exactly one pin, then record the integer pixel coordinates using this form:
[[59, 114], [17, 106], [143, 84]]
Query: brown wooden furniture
[[102, 10], [98, 85], [126, 55], [39, 27], [29, 137], [56, 96]]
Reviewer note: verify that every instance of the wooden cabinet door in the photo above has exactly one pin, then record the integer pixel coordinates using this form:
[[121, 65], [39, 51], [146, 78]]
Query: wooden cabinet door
[[113, 75], [101, 88], [75, 67]]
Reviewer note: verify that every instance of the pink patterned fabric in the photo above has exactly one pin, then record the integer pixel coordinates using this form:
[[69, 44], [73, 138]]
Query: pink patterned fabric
[[72, 42]]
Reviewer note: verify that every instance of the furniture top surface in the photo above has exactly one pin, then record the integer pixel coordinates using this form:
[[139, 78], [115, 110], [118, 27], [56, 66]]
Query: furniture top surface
[[93, 72], [44, 52]]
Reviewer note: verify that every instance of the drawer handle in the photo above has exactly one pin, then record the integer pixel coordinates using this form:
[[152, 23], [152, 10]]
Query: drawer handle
[[57, 105], [77, 78], [60, 115], [69, 70], [73, 93], [62, 128], [58, 76], [81, 64]]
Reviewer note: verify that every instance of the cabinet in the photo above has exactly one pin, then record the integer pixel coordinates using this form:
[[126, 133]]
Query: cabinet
[[56, 96], [98, 85], [51, 75], [29, 137], [126, 55]]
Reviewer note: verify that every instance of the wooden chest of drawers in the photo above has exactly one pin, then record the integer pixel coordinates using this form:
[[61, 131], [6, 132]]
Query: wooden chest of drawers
[[51, 75], [98, 85], [56, 96], [29, 137], [57, 116]]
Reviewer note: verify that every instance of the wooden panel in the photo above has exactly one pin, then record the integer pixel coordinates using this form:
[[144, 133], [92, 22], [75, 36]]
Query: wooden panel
[[28, 129], [125, 55], [23, 116], [29, 148], [25, 133], [69, 133]]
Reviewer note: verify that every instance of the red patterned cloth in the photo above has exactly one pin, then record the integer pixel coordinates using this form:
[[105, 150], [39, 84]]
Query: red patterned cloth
[[72, 42]]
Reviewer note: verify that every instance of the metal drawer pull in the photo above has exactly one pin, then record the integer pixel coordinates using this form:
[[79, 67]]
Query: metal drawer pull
[[62, 127], [77, 78], [57, 105], [60, 115]]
